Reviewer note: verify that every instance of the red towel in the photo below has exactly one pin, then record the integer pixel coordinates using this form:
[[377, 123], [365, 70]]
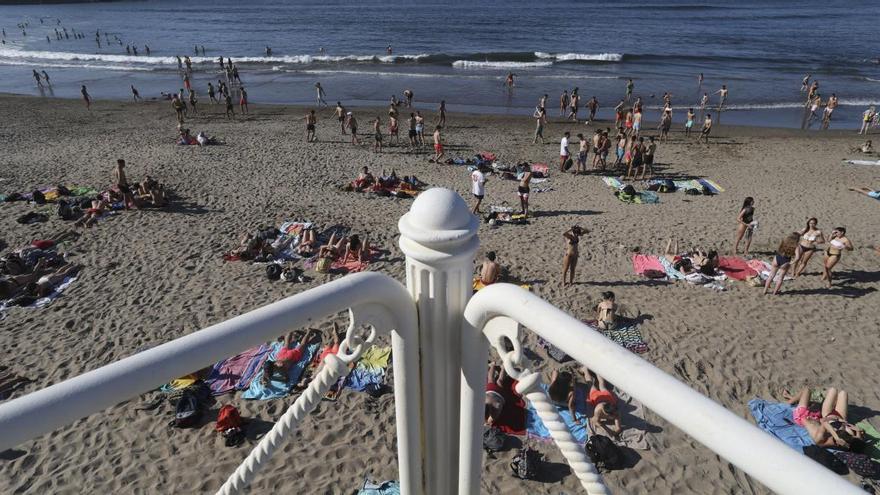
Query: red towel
[[735, 267], [648, 266], [513, 419]]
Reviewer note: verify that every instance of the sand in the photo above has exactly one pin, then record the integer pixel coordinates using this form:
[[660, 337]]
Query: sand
[[152, 276]]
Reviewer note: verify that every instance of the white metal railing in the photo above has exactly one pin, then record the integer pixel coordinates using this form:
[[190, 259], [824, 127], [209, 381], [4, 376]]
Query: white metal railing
[[371, 298], [493, 314]]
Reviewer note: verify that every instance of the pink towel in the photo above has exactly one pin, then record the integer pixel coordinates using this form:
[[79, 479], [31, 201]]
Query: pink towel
[[758, 266], [648, 266], [736, 268], [227, 373]]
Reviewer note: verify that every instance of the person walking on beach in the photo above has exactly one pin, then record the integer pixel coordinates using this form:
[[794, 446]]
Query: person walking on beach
[[629, 89], [211, 94], [340, 116], [508, 81], [540, 117], [829, 109], [563, 103], [353, 127], [707, 128], [134, 94], [478, 187], [441, 121], [230, 108], [745, 225], [438, 144], [177, 105], [563, 151], [86, 97], [574, 105], [690, 123], [665, 125], [46, 77], [593, 105], [311, 120], [583, 148], [243, 101], [319, 95], [377, 134], [393, 130], [192, 102]]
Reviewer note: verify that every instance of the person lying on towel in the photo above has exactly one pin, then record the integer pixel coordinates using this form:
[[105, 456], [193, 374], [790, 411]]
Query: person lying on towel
[[828, 426], [285, 358], [606, 415], [698, 261], [497, 382]]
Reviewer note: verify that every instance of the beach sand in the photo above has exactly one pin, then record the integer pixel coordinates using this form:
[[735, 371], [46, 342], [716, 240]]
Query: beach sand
[[152, 276]]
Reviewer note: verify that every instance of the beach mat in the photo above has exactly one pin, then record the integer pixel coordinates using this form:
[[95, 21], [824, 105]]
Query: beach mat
[[736, 268], [776, 419], [276, 388], [612, 182], [227, 374], [45, 301], [648, 266], [683, 185], [536, 429], [626, 335], [370, 370], [632, 419]]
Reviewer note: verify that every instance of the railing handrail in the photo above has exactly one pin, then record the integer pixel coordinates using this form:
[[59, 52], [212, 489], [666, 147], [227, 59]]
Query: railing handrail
[[745, 445], [45, 410]]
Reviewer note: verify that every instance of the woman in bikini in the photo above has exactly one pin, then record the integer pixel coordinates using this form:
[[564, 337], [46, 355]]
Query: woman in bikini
[[606, 312], [523, 192], [789, 251], [829, 426], [836, 245], [307, 242], [606, 415], [811, 237], [569, 261], [745, 225]]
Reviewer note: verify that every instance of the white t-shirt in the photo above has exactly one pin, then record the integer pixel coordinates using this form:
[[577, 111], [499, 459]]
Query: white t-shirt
[[479, 180], [563, 147]]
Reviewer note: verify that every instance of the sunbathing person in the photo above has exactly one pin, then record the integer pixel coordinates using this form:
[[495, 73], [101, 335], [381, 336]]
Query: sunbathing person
[[811, 237], [496, 384], [91, 215], [307, 243], [184, 138], [285, 358], [828, 427], [344, 249], [866, 148], [561, 391], [705, 263], [364, 180], [871, 193], [46, 284], [490, 271], [789, 251], [606, 312], [606, 415], [152, 191]]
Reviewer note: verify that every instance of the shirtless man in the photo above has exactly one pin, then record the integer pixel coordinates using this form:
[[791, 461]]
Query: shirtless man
[[629, 89], [319, 95], [377, 134], [523, 191], [441, 121], [563, 102], [707, 128], [829, 109], [121, 182], [491, 270], [340, 116], [311, 120], [704, 102], [618, 113], [722, 96], [413, 135], [408, 98], [438, 144], [593, 105], [540, 117], [805, 83], [134, 93], [574, 105], [352, 124]]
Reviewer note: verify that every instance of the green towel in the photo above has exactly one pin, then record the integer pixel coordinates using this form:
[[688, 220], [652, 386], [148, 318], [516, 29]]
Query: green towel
[[375, 357], [873, 438]]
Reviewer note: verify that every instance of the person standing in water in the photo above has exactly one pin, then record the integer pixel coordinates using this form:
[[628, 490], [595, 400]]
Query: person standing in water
[[243, 101], [563, 103], [134, 93], [700, 82], [37, 78], [829, 109], [629, 89], [319, 95], [211, 94], [722, 96], [86, 97], [509, 80], [46, 77], [574, 105], [704, 102], [593, 105]]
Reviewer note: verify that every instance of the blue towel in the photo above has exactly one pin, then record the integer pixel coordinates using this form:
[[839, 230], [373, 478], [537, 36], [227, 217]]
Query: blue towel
[[386, 488], [361, 378], [277, 388], [776, 419], [580, 432]]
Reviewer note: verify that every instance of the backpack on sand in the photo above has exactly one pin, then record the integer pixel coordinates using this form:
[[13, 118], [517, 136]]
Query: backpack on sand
[[525, 464], [604, 453], [187, 412], [228, 418]]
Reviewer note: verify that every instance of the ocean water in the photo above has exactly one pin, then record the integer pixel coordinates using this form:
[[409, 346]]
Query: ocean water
[[461, 52]]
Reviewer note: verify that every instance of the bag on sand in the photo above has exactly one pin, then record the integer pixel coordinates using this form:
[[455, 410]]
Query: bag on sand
[[604, 453], [188, 411], [273, 271], [38, 197], [525, 464], [493, 439], [228, 418], [568, 164]]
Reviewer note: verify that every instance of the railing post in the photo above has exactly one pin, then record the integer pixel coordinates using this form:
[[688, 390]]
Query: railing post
[[438, 237]]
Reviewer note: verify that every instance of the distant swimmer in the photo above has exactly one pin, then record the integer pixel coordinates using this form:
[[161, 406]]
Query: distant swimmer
[[37, 78], [509, 80], [134, 50], [321, 50], [700, 82], [187, 61], [179, 63], [319, 95], [134, 94], [86, 97], [805, 84], [203, 50], [127, 50], [196, 49], [388, 50], [268, 51], [220, 61], [147, 49]]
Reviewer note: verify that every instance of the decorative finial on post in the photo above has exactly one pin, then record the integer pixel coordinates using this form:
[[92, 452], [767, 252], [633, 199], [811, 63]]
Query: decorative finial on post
[[439, 238]]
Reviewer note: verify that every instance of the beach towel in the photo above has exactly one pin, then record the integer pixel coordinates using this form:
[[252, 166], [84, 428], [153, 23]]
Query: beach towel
[[512, 420], [627, 334], [612, 182], [540, 170], [683, 185], [736, 267], [370, 370], [776, 419], [763, 269], [45, 301], [348, 266], [276, 388], [385, 488], [180, 383], [535, 427], [648, 266], [640, 198], [671, 272], [632, 418], [863, 162], [478, 284], [228, 373]]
